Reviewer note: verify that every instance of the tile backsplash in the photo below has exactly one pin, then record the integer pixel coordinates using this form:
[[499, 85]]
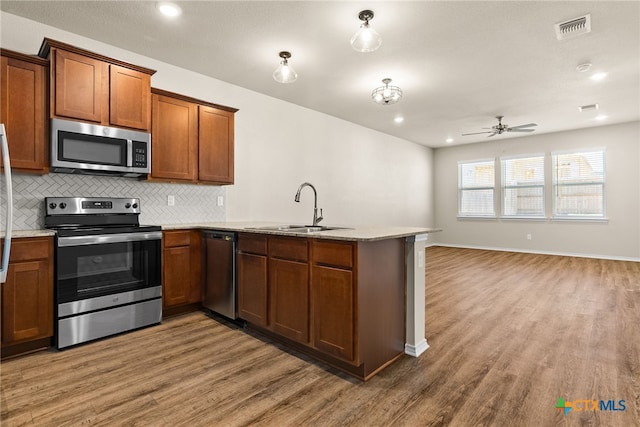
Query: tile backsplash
[[193, 203]]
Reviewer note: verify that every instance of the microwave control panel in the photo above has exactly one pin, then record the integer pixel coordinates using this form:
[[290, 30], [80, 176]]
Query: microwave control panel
[[140, 154]]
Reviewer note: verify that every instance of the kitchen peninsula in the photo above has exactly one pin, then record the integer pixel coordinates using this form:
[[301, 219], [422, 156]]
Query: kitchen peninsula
[[351, 297]]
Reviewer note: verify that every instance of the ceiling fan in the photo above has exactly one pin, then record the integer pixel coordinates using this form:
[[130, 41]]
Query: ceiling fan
[[501, 128]]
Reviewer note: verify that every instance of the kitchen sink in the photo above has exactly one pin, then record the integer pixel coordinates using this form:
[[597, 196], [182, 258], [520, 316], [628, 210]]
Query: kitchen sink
[[299, 228]]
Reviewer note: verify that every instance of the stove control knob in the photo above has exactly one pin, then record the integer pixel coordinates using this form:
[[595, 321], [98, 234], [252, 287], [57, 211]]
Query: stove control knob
[[52, 205], [127, 205], [63, 205], [135, 206]]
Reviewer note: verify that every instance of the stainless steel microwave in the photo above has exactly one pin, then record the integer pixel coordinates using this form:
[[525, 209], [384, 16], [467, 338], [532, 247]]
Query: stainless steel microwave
[[85, 148]]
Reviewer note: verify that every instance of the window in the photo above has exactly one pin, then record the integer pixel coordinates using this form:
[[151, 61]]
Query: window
[[476, 188], [523, 187], [578, 184]]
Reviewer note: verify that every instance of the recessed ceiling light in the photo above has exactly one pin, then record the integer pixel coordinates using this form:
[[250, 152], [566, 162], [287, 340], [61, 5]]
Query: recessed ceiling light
[[601, 117], [449, 140], [169, 9], [598, 76], [581, 68], [399, 119]]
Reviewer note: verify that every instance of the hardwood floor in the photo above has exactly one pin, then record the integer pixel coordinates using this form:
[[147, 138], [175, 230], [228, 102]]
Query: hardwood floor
[[509, 334]]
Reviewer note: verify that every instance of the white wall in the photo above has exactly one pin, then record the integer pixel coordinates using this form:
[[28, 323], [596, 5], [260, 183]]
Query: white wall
[[363, 177], [617, 238]]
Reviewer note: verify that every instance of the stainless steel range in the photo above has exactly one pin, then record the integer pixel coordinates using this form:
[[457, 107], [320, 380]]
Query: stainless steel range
[[108, 268]]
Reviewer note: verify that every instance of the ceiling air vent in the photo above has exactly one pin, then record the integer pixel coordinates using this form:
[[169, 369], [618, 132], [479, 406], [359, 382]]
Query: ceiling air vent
[[573, 27]]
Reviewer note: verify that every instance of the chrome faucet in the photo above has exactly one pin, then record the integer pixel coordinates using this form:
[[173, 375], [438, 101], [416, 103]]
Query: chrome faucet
[[316, 218]]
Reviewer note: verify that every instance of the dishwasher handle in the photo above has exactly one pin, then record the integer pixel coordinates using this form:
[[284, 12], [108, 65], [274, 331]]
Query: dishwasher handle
[[224, 235]]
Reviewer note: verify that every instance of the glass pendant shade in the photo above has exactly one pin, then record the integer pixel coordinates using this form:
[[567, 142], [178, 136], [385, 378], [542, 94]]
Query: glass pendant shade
[[386, 95], [366, 39], [285, 73]]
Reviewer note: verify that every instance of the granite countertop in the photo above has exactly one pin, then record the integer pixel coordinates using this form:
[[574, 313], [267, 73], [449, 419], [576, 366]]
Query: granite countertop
[[365, 233], [17, 234]]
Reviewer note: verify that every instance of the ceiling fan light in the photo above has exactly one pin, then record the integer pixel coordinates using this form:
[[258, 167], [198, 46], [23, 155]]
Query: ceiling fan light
[[366, 39], [285, 72]]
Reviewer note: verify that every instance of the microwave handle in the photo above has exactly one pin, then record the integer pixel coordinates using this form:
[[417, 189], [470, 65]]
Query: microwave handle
[[129, 153]]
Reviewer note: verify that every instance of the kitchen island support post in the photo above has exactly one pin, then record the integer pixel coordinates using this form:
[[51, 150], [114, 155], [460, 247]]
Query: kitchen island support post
[[416, 343]]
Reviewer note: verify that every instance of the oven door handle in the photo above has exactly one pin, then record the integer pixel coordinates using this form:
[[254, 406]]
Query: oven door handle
[[101, 239]]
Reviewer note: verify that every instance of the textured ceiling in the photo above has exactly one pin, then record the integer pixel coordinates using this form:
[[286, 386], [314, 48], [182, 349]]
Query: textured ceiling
[[458, 63]]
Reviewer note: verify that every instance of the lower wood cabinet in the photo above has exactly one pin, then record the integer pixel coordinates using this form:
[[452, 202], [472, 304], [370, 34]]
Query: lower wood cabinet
[[333, 296], [27, 296], [252, 287], [181, 271], [289, 288], [339, 301]]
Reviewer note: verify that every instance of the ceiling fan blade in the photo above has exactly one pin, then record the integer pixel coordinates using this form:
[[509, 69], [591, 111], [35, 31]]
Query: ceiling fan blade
[[475, 133], [519, 130], [524, 126], [492, 134]]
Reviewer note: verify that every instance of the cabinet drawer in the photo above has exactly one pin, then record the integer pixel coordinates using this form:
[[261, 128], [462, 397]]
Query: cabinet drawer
[[332, 253], [30, 249], [289, 248], [176, 238], [252, 243]]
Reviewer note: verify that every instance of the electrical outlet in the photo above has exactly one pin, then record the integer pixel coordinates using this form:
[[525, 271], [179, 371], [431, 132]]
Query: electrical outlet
[[529, 236], [171, 200], [420, 258], [220, 201]]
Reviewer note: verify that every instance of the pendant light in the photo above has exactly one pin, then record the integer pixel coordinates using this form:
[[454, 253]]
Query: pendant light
[[386, 95], [366, 39], [285, 73]]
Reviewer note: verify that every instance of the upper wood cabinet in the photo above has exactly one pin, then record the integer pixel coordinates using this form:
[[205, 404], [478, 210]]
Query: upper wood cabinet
[[174, 139], [192, 140], [91, 87], [23, 110], [215, 143]]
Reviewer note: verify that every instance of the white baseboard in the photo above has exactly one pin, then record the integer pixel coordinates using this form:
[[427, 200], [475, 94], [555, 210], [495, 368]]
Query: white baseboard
[[416, 350], [578, 255]]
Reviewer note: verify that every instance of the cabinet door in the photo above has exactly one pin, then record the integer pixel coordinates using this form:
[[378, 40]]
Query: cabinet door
[[176, 283], [174, 138], [215, 145], [332, 301], [252, 288], [23, 112], [130, 98], [27, 302], [289, 302], [80, 87]]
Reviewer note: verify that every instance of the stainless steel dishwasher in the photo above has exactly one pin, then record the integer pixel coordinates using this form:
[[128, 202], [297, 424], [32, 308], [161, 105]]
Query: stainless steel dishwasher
[[218, 250]]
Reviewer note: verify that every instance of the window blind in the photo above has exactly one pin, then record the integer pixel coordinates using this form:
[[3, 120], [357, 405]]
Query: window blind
[[476, 188], [579, 184], [523, 187]]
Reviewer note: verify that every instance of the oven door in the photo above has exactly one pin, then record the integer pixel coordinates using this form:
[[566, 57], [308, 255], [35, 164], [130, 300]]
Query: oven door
[[98, 265]]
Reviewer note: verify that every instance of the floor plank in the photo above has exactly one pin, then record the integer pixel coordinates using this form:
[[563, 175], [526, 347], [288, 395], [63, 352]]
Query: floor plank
[[509, 334]]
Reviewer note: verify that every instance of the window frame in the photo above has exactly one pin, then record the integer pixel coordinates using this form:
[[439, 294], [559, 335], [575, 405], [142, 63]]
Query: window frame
[[555, 186], [461, 188], [504, 187]]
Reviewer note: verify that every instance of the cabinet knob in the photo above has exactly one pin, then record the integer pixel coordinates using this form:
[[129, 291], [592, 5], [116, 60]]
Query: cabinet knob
[[52, 205], [63, 205]]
